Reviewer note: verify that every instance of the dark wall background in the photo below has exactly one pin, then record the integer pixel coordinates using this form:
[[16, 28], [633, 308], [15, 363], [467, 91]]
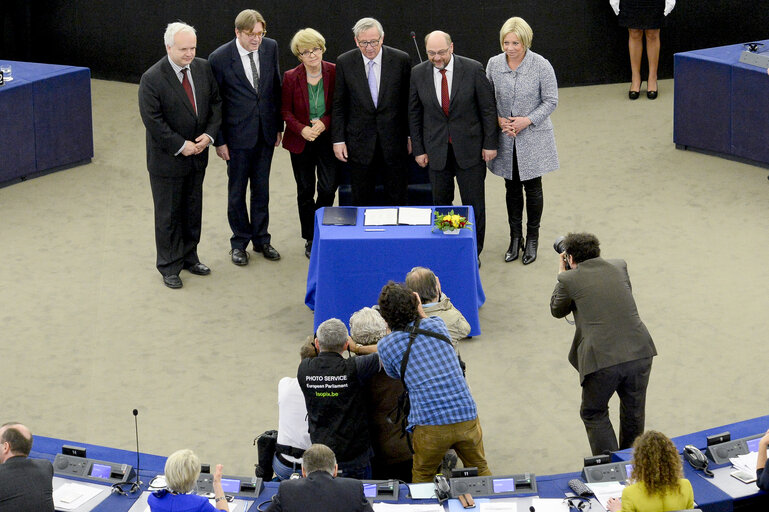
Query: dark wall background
[[118, 40]]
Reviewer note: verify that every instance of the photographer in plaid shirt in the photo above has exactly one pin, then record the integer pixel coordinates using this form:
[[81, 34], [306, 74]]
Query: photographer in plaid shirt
[[443, 413]]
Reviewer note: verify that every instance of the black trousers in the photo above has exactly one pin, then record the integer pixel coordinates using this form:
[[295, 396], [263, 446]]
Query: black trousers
[[629, 380], [363, 178], [319, 155], [249, 166], [178, 203], [472, 190], [514, 199]]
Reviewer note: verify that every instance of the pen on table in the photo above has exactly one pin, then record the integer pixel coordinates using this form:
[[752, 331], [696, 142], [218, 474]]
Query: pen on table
[[375, 230]]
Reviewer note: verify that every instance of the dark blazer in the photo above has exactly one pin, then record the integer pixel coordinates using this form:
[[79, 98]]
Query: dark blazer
[[355, 120], [295, 105], [320, 492], [472, 120], [25, 485], [608, 329], [170, 119], [243, 111]]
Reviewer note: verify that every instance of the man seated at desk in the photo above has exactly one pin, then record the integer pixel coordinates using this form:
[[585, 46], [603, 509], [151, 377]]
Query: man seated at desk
[[25, 484], [320, 490], [434, 303]]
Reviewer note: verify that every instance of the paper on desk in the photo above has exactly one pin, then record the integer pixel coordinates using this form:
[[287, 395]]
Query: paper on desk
[[380, 217], [549, 505], [497, 506], [605, 490], [745, 462], [70, 496], [415, 216], [456, 506], [397, 507], [422, 491]]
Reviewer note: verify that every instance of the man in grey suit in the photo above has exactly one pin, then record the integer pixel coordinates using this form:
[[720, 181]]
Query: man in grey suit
[[246, 69], [612, 350], [369, 124], [25, 484], [453, 120], [181, 110]]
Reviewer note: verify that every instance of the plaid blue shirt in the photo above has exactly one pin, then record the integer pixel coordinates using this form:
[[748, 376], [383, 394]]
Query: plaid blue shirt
[[438, 391]]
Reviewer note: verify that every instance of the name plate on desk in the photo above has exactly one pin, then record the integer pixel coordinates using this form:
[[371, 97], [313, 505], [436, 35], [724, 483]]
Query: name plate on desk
[[722, 452], [90, 469], [240, 486], [509, 485], [612, 472]]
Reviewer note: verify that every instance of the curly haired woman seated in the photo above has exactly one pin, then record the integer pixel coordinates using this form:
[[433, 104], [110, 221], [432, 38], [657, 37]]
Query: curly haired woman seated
[[656, 480]]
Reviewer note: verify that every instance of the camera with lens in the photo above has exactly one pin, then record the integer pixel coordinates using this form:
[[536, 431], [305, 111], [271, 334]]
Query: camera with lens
[[560, 247]]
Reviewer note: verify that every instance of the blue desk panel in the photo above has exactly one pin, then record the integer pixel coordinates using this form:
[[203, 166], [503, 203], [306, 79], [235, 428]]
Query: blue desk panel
[[45, 119], [349, 266], [720, 104]]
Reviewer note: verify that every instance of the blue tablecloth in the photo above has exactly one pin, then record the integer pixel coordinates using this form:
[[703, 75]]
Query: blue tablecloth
[[349, 266], [720, 104], [45, 119], [709, 497]]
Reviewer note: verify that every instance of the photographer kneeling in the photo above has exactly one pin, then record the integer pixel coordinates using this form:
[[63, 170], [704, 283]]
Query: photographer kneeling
[[612, 349]]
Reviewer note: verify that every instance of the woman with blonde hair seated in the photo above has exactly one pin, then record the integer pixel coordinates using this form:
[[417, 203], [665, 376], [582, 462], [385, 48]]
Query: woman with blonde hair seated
[[182, 472], [656, 481]]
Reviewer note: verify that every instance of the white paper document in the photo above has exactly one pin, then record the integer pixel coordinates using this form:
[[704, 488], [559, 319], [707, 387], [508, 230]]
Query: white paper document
[[380, 217], [605, 490], [549, 505], [71, 495], [397, 507], [415, 216], [746, 462], [498, 506]]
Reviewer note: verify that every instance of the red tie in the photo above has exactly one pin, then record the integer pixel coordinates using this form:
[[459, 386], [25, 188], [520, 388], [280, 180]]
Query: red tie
[[444, 92], [188, 89]]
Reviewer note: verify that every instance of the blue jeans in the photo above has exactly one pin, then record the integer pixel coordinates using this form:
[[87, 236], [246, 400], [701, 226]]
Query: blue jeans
[[283, 472], [353, 470]]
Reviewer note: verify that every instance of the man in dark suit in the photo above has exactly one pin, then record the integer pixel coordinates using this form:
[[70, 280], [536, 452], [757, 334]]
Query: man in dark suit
[[181, 109], [453, 121], [612, 350], [320, 490], [369, 125], [25, 484], [247, 71]]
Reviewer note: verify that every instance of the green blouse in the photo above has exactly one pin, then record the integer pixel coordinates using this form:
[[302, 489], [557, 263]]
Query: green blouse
[[317, 101]]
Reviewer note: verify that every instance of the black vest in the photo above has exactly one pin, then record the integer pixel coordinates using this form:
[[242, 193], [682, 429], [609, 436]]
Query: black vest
[[336, 409]]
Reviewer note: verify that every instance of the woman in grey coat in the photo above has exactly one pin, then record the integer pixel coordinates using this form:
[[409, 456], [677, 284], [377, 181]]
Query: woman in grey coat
[[526, 94]]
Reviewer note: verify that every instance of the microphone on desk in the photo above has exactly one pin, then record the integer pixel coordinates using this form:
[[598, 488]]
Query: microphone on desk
[[136, 427], [414, 38]]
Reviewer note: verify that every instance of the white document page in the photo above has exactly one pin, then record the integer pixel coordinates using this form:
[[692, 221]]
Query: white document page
[[380, 217], [415, 216], [73, 495]]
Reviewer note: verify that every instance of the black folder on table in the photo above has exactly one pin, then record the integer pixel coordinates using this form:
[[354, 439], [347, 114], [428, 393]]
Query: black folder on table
[[340, 216]]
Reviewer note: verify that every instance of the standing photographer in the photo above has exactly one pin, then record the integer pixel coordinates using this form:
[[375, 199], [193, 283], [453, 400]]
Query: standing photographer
[[612, 350]]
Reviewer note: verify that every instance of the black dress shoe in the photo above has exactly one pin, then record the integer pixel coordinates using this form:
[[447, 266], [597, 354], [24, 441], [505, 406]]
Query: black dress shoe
[[239, 257], [268, 252], [633, 95], [308, 248], [652, 95], [172, 281], [199, 269], [530, 252], [513, 250]]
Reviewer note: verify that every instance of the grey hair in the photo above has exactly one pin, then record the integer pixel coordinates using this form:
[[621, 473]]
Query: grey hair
[[174, 28], [332, 335], [367, 326], [365, 24], [182, 470], [319, 457]]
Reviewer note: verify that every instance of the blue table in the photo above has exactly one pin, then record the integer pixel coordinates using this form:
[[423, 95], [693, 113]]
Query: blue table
[[710, 498], [721, 105], [45, 119], [349, 266]]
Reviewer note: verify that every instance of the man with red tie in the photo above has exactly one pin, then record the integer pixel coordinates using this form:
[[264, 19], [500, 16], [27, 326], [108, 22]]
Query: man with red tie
[[181, 110], [453, 120]]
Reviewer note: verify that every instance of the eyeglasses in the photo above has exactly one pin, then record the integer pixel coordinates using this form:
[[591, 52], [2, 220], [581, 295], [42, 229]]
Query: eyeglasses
[[254, 35], [442, 53], [372, 44], [314, 51]]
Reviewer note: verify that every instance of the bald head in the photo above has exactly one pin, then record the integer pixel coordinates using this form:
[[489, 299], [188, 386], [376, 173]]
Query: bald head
[[438, 36], [15, 440], [439, 48]]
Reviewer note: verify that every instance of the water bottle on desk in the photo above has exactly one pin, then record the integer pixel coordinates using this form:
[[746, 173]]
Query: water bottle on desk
[[5, 69]]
